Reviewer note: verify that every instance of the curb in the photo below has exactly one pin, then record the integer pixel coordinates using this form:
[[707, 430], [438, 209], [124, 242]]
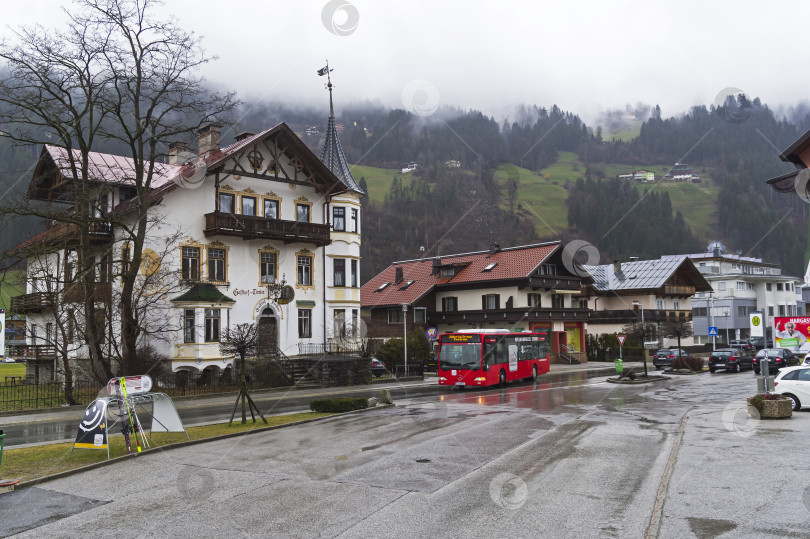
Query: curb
[[177, 445]]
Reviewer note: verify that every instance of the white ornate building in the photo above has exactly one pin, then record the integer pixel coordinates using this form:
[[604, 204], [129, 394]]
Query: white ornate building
[[263, 209]]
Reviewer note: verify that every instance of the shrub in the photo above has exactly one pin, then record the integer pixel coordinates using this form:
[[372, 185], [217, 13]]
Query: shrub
[[688, 362], [336, 406]]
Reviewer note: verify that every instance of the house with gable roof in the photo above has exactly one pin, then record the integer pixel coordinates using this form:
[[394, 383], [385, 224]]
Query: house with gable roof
[[264, 210], [524, 288], [659, 290]]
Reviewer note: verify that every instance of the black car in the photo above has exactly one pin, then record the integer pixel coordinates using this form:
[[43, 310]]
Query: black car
[[377, 367], [743, 345], [757, 342], [663, 357], [730, 359], [777, 358]]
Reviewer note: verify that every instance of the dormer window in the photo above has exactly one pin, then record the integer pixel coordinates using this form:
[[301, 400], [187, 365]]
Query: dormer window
[[382, 287], [489, 267], [447, 271]]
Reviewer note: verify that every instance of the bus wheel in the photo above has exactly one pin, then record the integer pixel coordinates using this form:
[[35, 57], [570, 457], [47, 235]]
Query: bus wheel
[[502, 379], [534, 373]]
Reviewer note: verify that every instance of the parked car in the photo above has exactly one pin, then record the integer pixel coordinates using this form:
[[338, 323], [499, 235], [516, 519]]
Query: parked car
[[730, 359], [743, 345], [9, 360], [663, 357], [757, 342], [377, 367], [794, 383], [777, 359]]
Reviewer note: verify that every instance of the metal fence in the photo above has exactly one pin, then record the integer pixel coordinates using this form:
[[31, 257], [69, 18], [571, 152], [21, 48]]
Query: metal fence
[[21, 394]]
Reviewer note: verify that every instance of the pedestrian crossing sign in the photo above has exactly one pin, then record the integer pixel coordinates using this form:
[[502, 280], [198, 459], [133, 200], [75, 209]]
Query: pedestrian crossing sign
[[712, 331]]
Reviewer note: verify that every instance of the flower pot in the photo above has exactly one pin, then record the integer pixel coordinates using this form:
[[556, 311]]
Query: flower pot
[[773, 409]]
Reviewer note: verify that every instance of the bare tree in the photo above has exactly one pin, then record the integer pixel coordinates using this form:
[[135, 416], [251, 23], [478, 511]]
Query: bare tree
[[677, 329], [242, 340], [120, 73], [639, 332]]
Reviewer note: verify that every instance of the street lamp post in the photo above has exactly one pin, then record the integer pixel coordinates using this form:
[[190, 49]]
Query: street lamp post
[[405, 333], [643, 335]]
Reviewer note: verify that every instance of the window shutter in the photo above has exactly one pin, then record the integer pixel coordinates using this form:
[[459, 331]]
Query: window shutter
[[484, 302], [444, 304], [497, 301]]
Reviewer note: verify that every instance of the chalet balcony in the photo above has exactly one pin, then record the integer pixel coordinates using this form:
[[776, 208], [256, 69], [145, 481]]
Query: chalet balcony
[[100, 233], [29, 351], [629, 316], [248, 227], [36, 302], [509, 316], [101, 293], [675, 290]]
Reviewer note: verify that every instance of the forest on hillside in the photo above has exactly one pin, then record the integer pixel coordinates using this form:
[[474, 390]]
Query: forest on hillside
[[442, 210]]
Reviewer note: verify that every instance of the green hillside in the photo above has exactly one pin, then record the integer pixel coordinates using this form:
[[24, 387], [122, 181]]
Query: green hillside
[[11, 284], [379, 179], [541, 196]]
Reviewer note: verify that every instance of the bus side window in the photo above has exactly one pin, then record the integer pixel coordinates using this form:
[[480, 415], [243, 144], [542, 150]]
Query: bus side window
[[488, 356]]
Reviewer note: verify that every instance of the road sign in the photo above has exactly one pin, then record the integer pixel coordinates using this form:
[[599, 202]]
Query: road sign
[[621, 339], [712, 331], [756, 325]]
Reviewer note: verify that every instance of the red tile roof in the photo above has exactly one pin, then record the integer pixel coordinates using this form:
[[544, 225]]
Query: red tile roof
[[512, 263]]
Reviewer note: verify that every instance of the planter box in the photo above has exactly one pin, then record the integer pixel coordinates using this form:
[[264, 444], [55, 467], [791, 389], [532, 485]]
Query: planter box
[[774, 409]]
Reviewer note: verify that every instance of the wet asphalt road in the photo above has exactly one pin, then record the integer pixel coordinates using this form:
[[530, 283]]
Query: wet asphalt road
[[582, 458]]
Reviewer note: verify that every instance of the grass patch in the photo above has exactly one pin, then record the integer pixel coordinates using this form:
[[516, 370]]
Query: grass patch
[[537, 199], [379, 180], [13, 284], [11, 369], [43, 460], [567, 168]]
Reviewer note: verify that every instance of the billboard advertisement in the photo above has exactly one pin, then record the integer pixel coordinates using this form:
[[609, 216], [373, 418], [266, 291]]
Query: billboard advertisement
[[790, 331]]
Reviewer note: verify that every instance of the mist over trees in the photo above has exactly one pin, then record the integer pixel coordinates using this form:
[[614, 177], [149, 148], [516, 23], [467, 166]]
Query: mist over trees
[[738, 141]]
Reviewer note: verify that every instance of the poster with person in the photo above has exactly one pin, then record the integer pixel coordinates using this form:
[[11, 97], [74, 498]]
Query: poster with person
[[790, 331]]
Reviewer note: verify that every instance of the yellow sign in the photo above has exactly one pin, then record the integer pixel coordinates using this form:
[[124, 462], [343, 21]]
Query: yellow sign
[[756, 320]]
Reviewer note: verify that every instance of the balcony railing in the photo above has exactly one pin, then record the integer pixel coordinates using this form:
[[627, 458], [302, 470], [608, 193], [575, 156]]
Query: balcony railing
[[677, 290], [628, 316], [328, 349], [35, 302], [249, 227], [99, 231], [31, 351], [508, 316], [101, 293]]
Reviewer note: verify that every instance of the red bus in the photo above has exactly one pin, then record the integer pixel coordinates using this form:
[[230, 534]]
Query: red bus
[[488, 357]]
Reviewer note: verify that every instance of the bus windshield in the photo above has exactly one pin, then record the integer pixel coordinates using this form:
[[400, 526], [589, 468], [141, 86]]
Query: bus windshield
[[460, 356]]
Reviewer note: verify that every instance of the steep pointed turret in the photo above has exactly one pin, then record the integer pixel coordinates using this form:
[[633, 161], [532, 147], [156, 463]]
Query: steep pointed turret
[[332, 155]]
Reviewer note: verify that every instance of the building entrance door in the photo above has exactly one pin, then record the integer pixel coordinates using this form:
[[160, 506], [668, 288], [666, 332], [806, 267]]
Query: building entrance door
[[267, 333]]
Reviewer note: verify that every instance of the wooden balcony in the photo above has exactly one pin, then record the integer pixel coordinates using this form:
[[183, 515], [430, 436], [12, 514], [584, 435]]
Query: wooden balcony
[[631, 316], [29, 351], [101, 293], [673, 290], [509, 316], [36, 302], [248, 227], [100, 233]]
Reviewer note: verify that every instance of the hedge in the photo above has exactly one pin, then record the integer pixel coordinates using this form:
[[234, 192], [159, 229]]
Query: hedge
[[336, 406]]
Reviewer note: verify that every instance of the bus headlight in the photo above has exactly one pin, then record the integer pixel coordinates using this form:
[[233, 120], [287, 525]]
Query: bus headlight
[[442, 379], [480, 379]]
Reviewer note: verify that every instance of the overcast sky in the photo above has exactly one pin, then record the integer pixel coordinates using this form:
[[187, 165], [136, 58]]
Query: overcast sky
[[493, 55]]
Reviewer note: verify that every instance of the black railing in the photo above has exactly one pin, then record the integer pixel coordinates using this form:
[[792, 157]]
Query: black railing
[[328, 349], [248, 226]]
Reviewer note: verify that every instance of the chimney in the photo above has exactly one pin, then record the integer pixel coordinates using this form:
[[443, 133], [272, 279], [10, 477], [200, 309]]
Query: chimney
[[242, 136], [494, 248], [436, 263], [208, 137], [398, 276], [633, 259], [617, 266], [178, 153], [716, 251]]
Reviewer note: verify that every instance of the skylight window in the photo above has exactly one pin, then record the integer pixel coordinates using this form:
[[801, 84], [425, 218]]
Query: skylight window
[[382, 287], [489, 267], [406, 285]]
